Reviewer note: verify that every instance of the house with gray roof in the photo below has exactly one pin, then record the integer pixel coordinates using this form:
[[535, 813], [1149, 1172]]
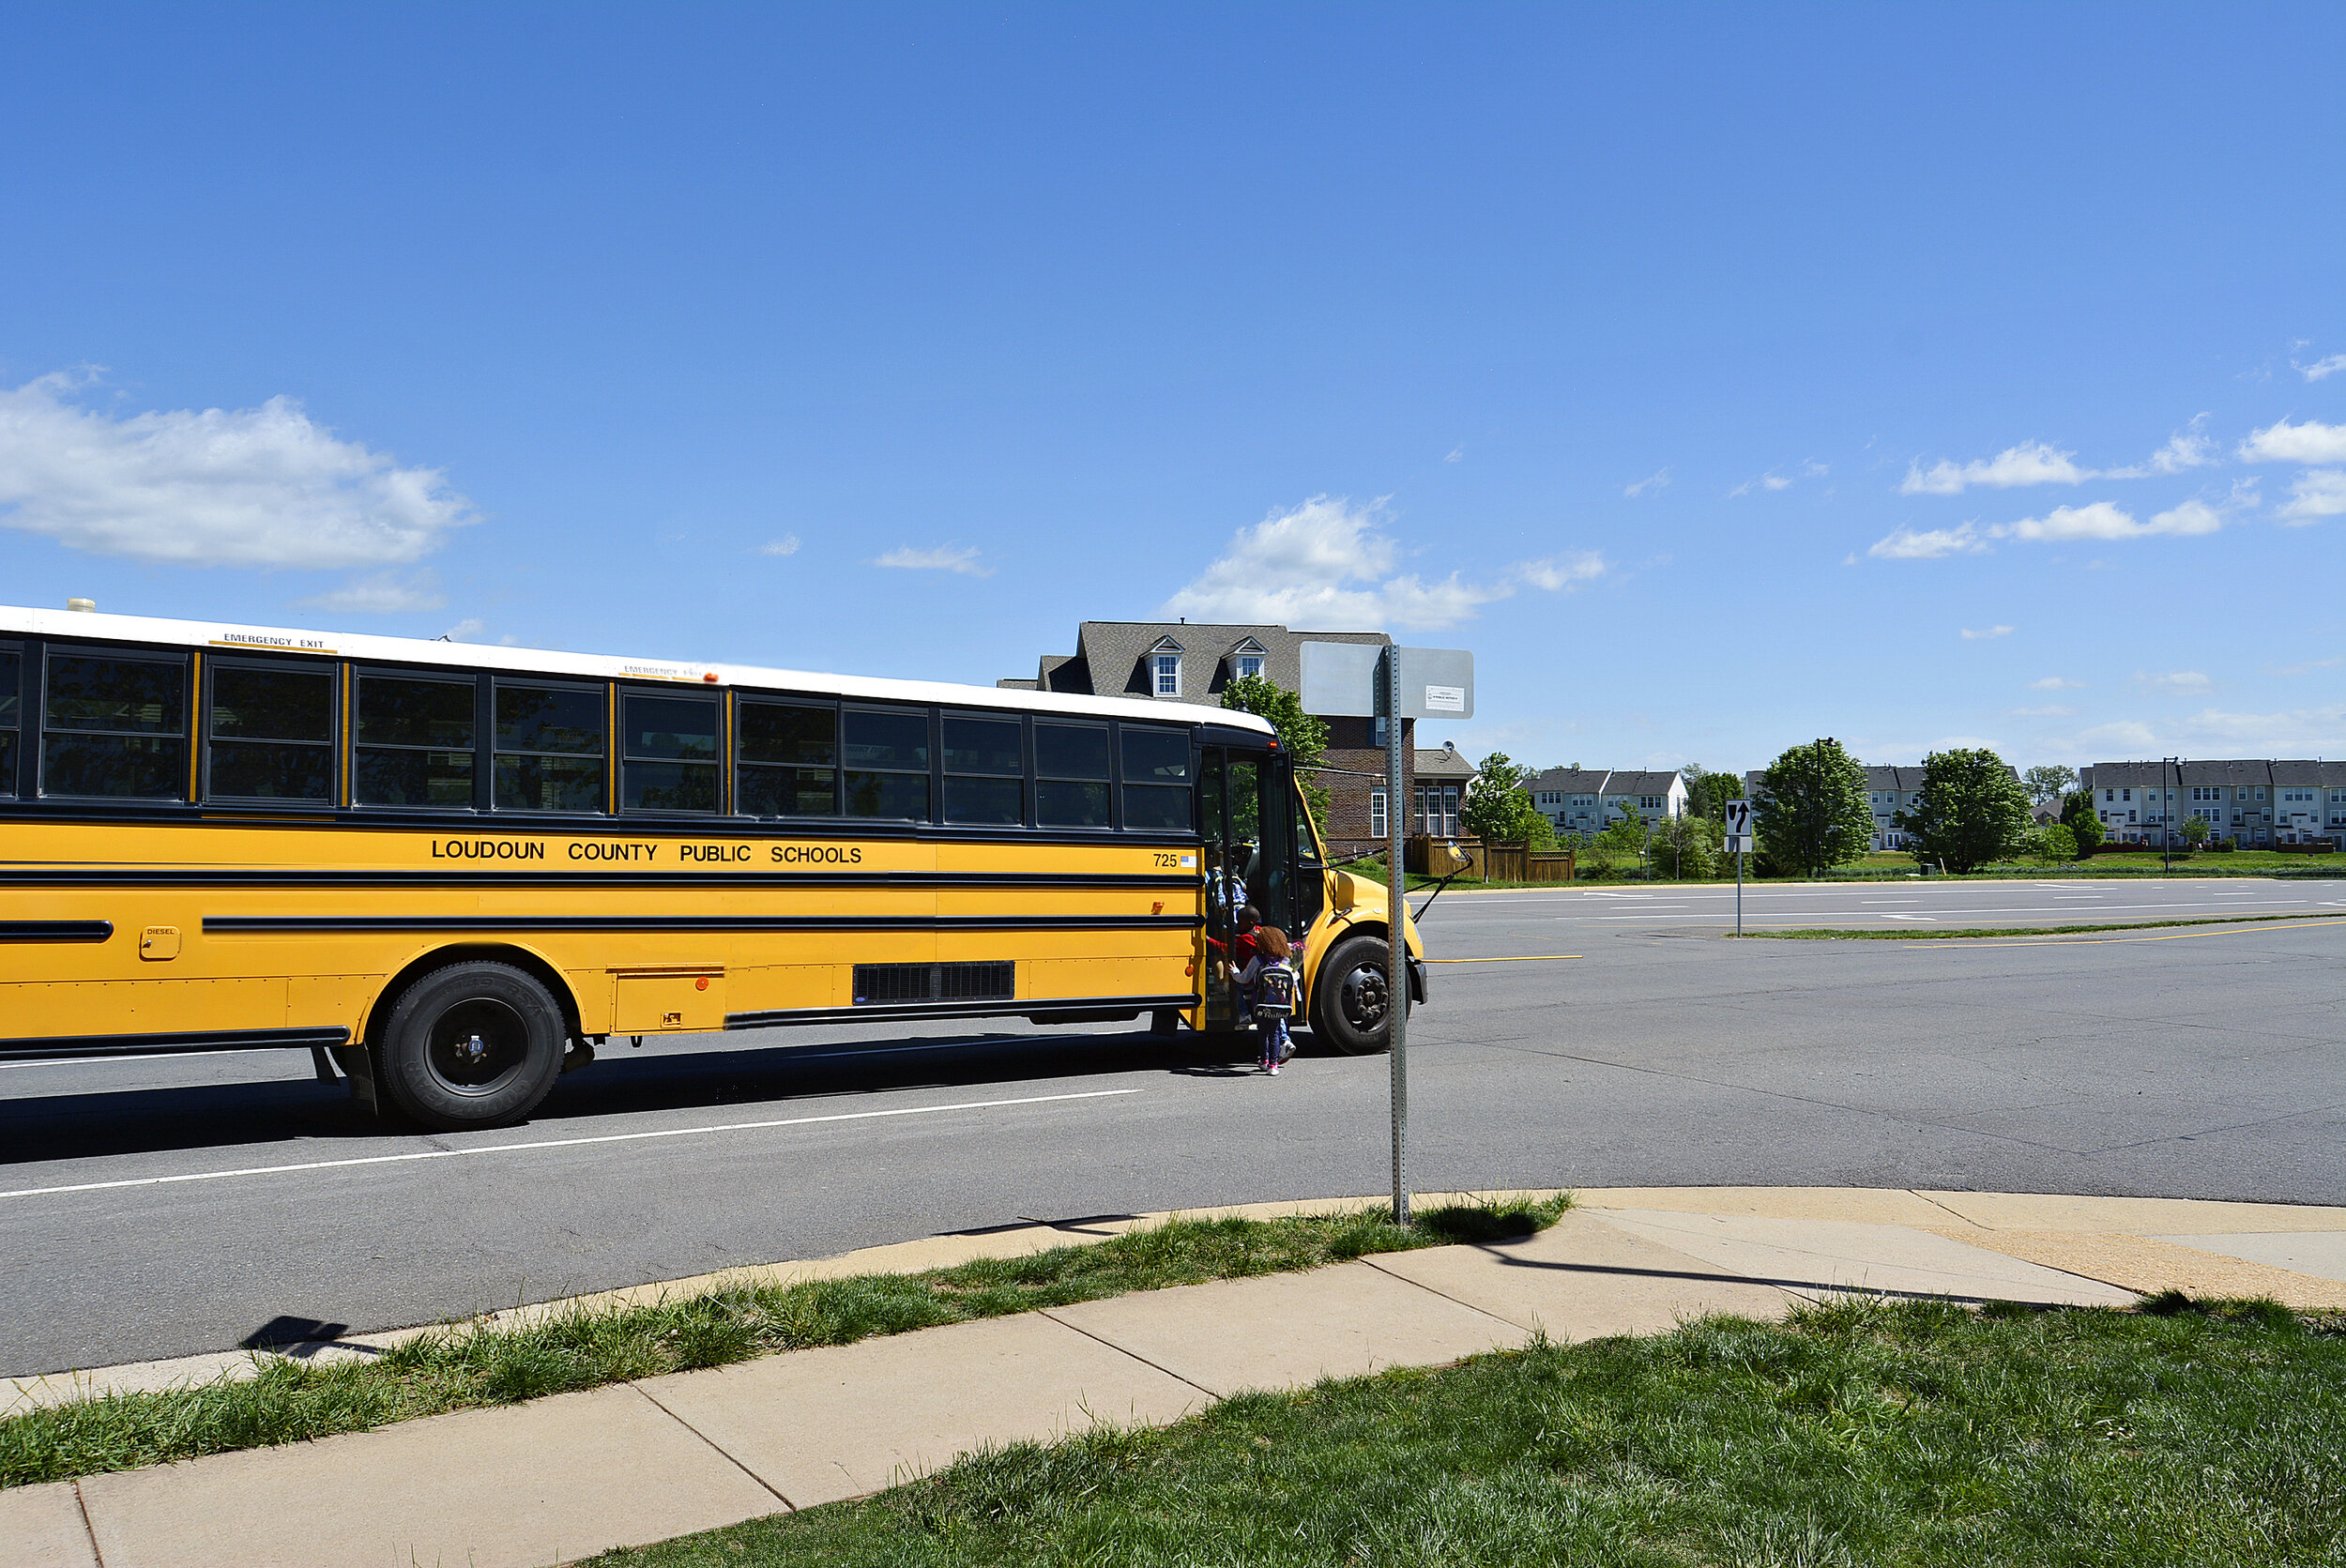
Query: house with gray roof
[[1583, 800], [1194, 662], [2252, 802]]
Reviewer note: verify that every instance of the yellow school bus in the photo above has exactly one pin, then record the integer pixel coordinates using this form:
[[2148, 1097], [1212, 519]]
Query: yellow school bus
[[452, 871]]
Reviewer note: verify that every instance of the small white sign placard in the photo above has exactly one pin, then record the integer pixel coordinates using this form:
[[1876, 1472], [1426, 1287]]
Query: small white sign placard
[[1445, 699]]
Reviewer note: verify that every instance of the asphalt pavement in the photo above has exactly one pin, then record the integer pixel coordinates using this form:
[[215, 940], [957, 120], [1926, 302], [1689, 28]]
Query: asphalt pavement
[[1584, 1037]]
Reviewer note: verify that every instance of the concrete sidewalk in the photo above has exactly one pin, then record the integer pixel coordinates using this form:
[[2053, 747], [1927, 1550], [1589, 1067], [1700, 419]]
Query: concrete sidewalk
[[569, 1476]]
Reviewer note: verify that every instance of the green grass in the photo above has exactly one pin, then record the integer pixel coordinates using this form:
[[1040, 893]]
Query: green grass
[[1857, 1434], [1909, 934], [466, 1365]]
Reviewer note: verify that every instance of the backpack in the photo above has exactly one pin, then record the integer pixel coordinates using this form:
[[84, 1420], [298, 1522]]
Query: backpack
[[1274, 992]]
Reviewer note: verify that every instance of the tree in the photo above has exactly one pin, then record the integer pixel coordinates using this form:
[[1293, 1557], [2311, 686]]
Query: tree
[[2195, 831], [1304, 738], [1499, 810], [1623, 839], [2077, 815], [1811, 811], [1970, 810], [1708, 793], [1684, 845], [2048, 783], [2056, 843]]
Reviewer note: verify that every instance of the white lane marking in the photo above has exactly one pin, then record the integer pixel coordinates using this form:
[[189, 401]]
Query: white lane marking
[[154, 1055], [551, 1143]]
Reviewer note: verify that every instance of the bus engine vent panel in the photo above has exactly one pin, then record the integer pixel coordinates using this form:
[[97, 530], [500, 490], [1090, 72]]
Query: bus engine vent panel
[[876, 984]]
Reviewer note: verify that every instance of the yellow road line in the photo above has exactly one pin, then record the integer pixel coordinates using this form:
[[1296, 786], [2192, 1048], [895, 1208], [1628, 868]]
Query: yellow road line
[[1528, 958]]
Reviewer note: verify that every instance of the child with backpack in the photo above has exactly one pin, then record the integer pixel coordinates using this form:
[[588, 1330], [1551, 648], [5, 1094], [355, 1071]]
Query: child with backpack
[[1269, 980]]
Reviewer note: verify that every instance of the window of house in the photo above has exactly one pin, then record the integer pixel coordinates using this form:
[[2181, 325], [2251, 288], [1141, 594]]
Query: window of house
[[413, 739], [1376, 825], [1376, 732], [785, 759], [1168, 667], [550, 748], [985, 772], [1071, 767], [1156, 780], [887, 763], [668, 760], [2128, 794], [270, 733], [1249, 666], [11, 672], [115, 726]]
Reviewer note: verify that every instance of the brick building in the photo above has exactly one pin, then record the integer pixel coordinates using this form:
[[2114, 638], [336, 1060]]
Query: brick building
[[1191, 662]]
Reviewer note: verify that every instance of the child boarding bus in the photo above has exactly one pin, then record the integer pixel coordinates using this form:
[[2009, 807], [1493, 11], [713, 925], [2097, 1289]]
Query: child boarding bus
[[453, 872]]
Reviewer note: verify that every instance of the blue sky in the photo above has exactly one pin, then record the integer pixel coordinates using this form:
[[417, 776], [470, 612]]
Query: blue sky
[[1723, 377]]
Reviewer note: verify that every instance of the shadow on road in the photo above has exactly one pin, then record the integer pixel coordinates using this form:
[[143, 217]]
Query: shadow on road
[[621, 1083]]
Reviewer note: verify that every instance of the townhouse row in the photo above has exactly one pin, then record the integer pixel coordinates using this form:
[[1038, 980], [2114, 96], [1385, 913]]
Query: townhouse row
[[1583, 801], [2254, 804]]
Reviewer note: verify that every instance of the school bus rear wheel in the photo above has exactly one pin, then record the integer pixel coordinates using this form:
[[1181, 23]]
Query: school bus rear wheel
[[472, 1045]]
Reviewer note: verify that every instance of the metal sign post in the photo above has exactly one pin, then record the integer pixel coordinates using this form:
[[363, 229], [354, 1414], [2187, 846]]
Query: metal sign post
[[1739, 840], [1364, 680], [1397, 961]]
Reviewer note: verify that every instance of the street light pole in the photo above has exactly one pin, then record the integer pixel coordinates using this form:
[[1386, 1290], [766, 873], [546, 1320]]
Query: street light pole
[[2167, 819]]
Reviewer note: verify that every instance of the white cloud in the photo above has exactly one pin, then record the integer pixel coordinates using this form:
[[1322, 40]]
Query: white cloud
[[2321, 369], [2315, 493], [2055, 712], [250, 487], [2176, 683], [2056, 683], [2107, 520], [2188, 448], [466, 630], [948, 558], [1929, 544], [381, 593], [2297, 731], [1775, 480], [2127, 734], [1561, 573], [1658, 479], [2030, 462], [786, 545], [1456, 454], [1327, 565], [2310, 442], [1980, 636], [2309, 667]]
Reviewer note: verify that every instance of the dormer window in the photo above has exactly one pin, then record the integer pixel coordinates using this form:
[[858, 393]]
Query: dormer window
[[1249, 666], [1166, 674]]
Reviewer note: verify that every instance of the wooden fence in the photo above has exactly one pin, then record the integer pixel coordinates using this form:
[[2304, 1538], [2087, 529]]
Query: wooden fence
[[1491, 862]]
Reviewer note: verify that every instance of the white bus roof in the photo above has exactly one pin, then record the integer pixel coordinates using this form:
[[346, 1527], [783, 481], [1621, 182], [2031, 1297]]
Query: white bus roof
[[25, 622]]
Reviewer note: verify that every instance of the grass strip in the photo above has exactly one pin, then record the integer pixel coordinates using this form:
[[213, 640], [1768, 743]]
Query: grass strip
[[464, 1365], [1833, 934], [1861, 1433]]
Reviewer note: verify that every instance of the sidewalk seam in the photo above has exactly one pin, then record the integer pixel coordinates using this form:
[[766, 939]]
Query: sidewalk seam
[[1446, 1295], [705, 1437], [91, 1530], [1121, 1350], [1936, 1204]]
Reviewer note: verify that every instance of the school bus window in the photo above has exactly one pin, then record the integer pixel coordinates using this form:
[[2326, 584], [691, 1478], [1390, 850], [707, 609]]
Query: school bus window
[[548, 748], [11, 672], [1071, 765], [883, 749], [1156, 780], [115, 727], [787, 760], [271, 733], [670, 762], [415, 743], [985, 767]]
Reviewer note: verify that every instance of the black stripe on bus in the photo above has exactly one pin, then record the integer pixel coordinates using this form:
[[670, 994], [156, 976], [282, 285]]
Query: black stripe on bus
[[59, 1046], [599, 878], [237, 924], [1036, 1008], [56, 931]]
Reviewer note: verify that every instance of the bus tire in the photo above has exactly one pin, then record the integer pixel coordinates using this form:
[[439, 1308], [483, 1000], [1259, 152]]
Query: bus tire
[[472, 1045], [1351, 998]]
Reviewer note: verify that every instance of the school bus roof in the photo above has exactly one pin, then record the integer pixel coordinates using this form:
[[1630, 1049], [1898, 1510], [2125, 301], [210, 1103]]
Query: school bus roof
[[85, 625]]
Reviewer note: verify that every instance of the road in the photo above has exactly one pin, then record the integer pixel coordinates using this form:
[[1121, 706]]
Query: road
[[160, 1207]]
